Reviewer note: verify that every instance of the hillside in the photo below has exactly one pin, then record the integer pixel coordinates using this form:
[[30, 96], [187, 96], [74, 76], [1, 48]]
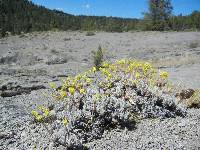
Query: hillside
[[18, 16], [22, 15]]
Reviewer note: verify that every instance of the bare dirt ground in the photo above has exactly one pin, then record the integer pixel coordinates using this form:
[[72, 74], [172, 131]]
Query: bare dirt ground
[[29, 62], [42, 57]]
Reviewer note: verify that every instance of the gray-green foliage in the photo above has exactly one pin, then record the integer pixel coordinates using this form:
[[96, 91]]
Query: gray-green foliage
[[115, 97]]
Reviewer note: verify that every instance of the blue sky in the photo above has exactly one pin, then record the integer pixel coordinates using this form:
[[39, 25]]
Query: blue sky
[[117, 8]]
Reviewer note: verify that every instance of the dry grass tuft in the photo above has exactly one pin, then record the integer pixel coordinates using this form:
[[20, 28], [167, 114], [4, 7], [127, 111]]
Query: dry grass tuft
[[194, 45], [177, 61]]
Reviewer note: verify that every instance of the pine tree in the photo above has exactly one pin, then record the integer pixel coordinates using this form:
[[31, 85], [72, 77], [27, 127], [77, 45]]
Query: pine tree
[[159, 14]]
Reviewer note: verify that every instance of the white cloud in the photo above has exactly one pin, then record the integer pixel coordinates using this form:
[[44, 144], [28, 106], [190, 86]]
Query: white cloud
[[87, 6]]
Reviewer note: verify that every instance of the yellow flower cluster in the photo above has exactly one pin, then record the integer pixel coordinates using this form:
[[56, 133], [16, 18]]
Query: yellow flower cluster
[[104, 71], [110, 73], [71, 90], [94, 69], [105, 65], [38, 117], [82, 91], [137, 75], [52, 85], [73, 84], [121, 62], [146, 67], [62, 93], [65, 121], [88, 81], [164, 74]]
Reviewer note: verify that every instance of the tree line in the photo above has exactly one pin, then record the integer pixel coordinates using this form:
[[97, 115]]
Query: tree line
[[159, 17], [17, 16]]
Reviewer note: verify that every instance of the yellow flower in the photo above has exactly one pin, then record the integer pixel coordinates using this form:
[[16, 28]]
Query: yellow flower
[[105, 65], [46, 112], [112, 68], [78, 77], [109, 75], [34, 113], [68, 78], [104, 71], [38, 117], [65, 121], [52, 85], [146, 67], [71, 90], [63, 93], [164, 74], [94, 69], [121, 62], [43, 109], [131, 66], [82, 91], [74, 82], [40, 107], [88, 80], [137, 75]]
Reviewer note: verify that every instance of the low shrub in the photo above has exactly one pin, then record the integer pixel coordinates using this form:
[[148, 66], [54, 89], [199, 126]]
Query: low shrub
[[90, 33], [113, 97], [98, 57]]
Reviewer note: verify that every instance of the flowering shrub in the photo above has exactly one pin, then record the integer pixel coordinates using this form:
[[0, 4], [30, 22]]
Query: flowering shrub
[[114, 96]]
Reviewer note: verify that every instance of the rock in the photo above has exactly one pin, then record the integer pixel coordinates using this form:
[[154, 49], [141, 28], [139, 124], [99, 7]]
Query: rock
[[20, 90], [57, 60], [185, 94], [7, 135]]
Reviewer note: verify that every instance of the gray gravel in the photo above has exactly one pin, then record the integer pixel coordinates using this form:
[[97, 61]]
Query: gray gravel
[[173, 133]]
